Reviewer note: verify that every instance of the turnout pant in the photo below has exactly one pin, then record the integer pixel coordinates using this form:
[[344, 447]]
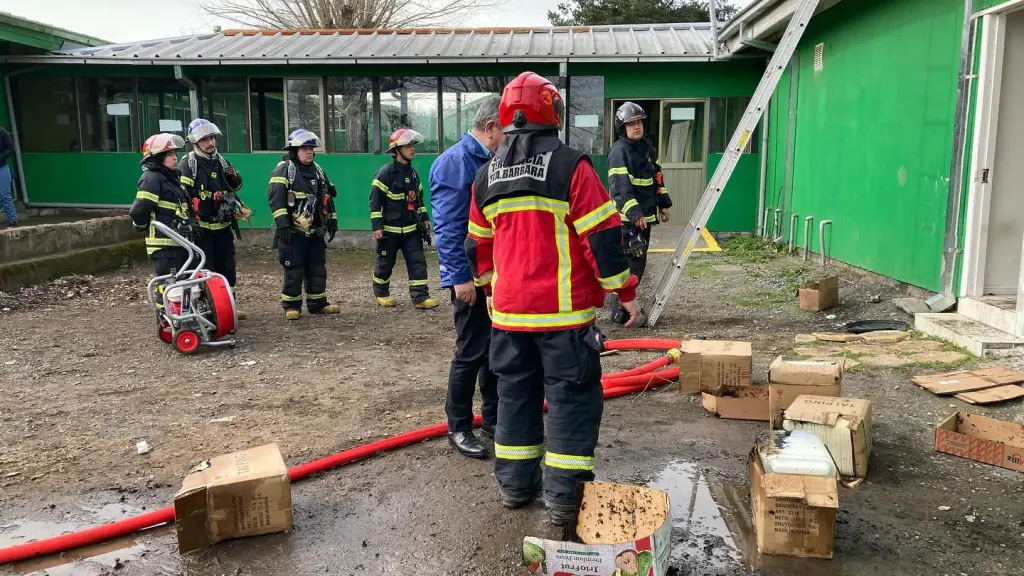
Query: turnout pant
[[304, 259], [637, 266], [219, 247], [565, 368], [170, 260], [470, 365], [411, 246]]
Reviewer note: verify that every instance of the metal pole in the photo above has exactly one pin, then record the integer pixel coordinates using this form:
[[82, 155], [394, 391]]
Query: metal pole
[[193, 91], [792, 232], [777, 226], [764, 170], [17, 146], [712, 12], [807, 237], [821, 239], [951, 245]]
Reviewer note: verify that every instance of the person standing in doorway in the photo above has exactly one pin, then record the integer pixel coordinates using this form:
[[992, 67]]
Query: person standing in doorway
[[637, 186], [451, 179], [400, 222], [6, 190]]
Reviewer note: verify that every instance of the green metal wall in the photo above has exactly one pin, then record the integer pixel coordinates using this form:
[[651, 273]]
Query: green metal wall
[[873, 134]]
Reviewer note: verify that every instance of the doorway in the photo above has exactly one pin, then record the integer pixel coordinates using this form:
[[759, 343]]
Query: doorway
[[679, 132]]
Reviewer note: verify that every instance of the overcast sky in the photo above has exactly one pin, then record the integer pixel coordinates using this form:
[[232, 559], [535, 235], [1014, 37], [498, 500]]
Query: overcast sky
[[127, 20]]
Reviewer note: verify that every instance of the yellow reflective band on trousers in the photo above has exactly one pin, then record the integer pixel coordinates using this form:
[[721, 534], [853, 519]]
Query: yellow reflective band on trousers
[[215, 225], [522, 203], [602, 213], [280, 212], [615, 282], [518, 452], [400, 229], [316, 296], [379, 281], [418, 282], [288, 298], [564, 264], [544, 320], [479, 231], [143, 195], [568, 461]]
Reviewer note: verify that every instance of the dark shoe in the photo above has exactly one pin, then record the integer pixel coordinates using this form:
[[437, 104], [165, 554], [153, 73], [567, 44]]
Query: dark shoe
[[513, 500], [487, 431], [468, 445], [561, 514]]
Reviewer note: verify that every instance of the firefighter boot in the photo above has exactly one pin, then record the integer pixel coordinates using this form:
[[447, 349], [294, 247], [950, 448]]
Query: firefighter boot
[[428, 304], [329, 309], [518, 500], [386, 301], [292, 314]]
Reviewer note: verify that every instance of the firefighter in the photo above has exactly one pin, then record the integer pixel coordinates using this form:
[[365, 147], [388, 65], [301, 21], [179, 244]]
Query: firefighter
[[540, 216], [400, 221], [162, 198], [213, 183], [637, 186], [302, 204]]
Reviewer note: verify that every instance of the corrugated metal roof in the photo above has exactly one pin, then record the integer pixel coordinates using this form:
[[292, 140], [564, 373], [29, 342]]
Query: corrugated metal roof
[[653, 42]]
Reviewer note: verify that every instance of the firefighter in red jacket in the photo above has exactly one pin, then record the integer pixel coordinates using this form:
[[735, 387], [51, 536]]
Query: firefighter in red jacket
[[544, 244]]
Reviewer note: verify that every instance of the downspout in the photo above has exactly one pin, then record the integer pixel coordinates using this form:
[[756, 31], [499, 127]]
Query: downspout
[[193, 90], [764, 171], [12, 116], [946, 297]]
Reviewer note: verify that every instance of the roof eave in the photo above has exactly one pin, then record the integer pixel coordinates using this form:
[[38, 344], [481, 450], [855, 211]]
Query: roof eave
[[760, 19], [121, 61]]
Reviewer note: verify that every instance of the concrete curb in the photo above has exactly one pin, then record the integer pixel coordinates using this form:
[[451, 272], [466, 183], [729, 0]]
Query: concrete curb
[[14, 275], [29, 242]]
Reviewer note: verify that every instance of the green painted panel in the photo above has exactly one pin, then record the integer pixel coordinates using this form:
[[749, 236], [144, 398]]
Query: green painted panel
[[676, 80], [736, 210], [874, 135]]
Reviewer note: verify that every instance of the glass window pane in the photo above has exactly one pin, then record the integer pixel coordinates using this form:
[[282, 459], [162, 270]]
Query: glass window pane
[[350, 114], [108, 116], [303, 105], [586, 114], [725, 118], [682, 133], [163, 107], [46, 113], [266, 101], [224, 105], [460, 97], [409, 103]]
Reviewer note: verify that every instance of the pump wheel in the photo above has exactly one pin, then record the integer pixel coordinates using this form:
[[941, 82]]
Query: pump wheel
[[164, 331], [187, 342]]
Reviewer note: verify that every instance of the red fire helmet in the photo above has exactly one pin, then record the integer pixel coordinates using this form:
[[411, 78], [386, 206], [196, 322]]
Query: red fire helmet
[[531, 102]]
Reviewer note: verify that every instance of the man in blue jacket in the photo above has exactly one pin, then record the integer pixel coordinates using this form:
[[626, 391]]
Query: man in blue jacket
[[451, 180]]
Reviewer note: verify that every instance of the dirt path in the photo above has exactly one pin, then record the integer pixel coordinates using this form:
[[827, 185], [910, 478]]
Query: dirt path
[[84, 378]]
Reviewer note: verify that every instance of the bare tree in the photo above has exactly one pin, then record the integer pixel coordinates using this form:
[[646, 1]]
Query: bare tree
[[344, 14]]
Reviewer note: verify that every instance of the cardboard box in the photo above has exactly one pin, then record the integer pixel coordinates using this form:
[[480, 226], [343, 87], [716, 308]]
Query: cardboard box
[[231, 496], [843, 424], [794, 515], [721, 364], [625, 531], [747, 403], [788, 379], [820, 295], [981, 438], [689, 371]]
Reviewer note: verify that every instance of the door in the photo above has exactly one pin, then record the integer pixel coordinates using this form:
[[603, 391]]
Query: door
[[683, 154], [1006, 212]]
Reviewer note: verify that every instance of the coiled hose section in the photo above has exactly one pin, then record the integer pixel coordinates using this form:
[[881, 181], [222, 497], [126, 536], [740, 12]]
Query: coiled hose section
[[619, 384]]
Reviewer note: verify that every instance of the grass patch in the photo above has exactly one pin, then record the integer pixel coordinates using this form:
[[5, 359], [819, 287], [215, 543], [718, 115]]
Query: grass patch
[[764, 299], [793, 276], [748, 250], [698, 270]]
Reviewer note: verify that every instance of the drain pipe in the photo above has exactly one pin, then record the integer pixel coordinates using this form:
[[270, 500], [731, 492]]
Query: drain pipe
[[821, 239], [778, 226], [807, 237], [712, 12], [12, 117], [763, 183], [764, 218], [792, 232]]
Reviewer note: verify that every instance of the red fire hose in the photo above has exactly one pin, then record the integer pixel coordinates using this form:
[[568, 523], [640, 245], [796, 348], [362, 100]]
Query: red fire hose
[[615, 385]]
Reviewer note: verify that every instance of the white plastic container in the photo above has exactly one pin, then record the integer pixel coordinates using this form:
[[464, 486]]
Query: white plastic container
[[797, 452]]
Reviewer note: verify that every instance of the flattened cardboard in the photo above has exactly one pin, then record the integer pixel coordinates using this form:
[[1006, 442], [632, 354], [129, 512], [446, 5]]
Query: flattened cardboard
[[1000, 375], [626, 531], [992, 395], [747, 403], [689, 372], [788, 379], [820, 295], [953, 383], [848, 432], [723, 364], [231, 496], [794, 515], [983, 439]]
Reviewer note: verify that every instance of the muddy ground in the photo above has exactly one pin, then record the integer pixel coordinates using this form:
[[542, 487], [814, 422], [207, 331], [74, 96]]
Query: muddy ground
[[83, 378]]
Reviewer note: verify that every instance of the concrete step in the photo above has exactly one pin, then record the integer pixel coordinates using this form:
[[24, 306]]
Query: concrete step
[[998, 312], [978, 338], [14, 275]]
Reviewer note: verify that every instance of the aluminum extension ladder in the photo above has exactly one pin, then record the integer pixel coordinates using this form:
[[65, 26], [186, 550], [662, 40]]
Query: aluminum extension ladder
[[748, 123]]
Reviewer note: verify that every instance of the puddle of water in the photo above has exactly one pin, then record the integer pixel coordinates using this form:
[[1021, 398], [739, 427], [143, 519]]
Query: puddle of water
[[87, 560], [712, 523]]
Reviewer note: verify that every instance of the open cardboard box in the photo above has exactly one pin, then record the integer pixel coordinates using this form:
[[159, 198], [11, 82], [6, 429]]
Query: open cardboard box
[[624, 530], [981, 438], [843, 424], [714, 365], [746, 403], [820, 295], [788, 379]]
